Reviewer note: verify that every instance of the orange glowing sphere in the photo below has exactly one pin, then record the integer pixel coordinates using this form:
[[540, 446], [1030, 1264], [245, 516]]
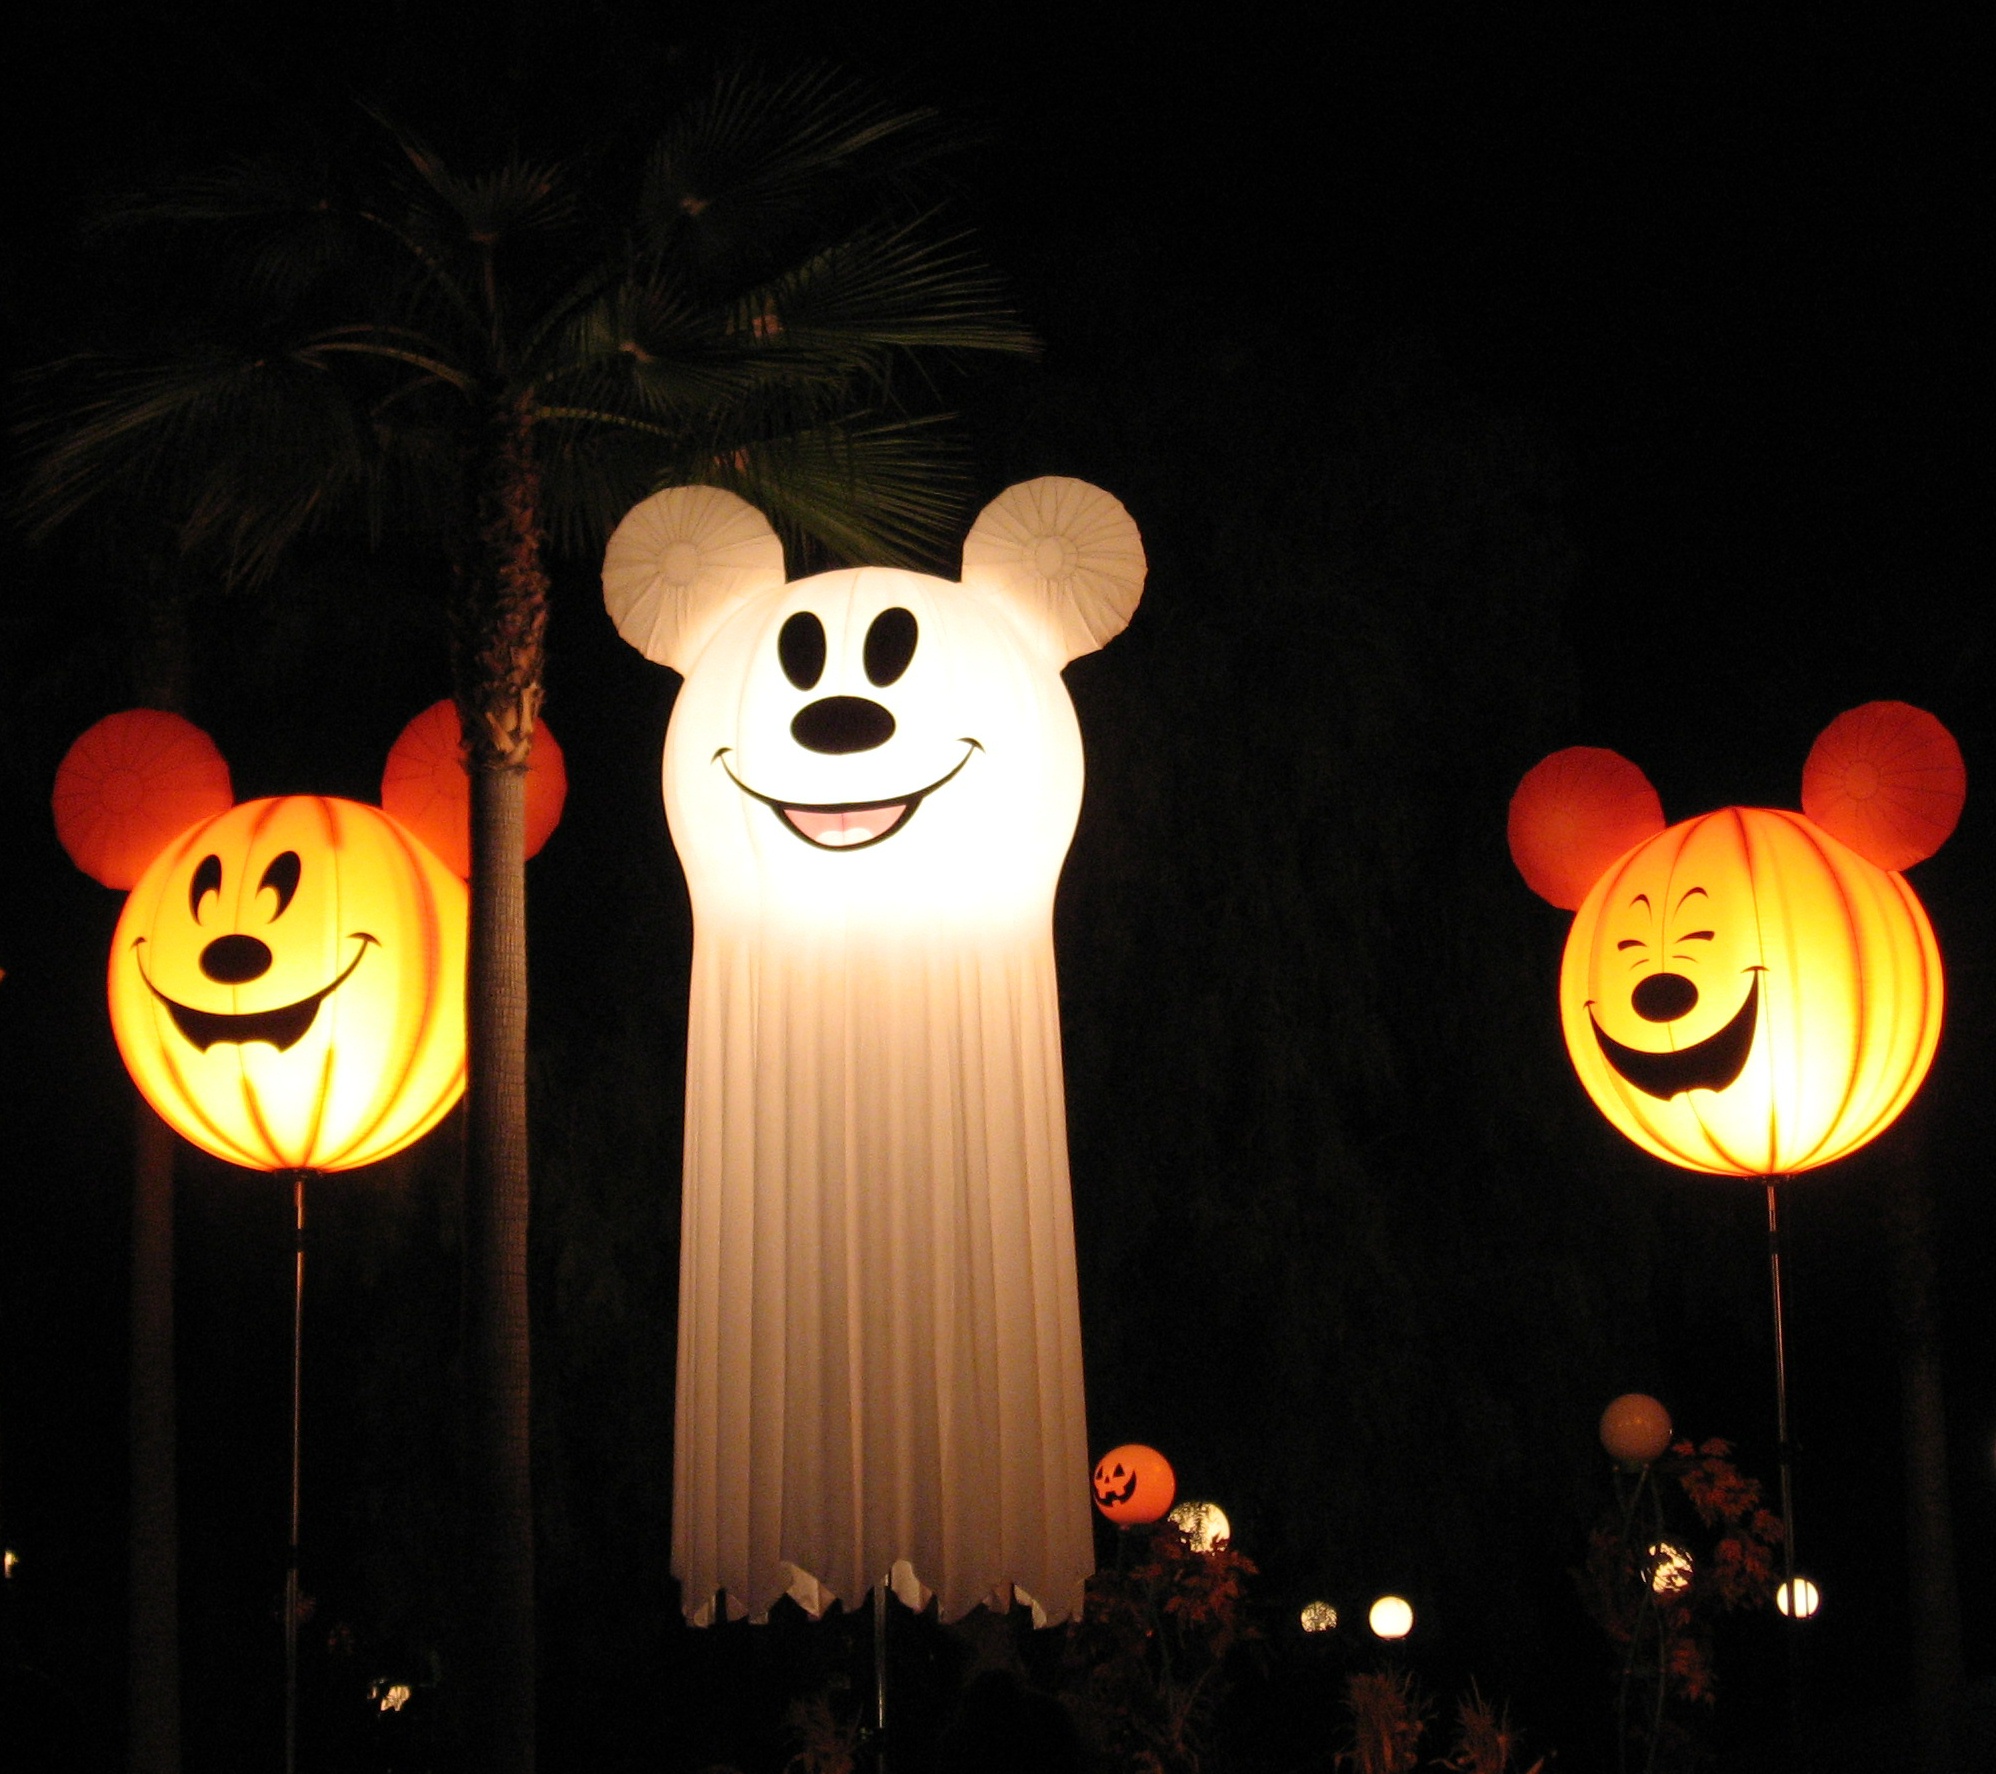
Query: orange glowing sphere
[[424, 786], [1635, 1429], [287, 985], [1745, 995], [1134, 1484]]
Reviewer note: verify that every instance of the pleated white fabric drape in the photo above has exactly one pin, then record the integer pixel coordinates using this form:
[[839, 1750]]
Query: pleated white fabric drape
[[879, 1343], [872, 777]]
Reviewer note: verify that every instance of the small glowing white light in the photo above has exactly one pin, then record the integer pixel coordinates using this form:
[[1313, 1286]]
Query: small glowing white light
[[8, 1560], [1390, 1617], [1670, 1568], [1320, 1617], [1204, 1525], [1806, 1600]]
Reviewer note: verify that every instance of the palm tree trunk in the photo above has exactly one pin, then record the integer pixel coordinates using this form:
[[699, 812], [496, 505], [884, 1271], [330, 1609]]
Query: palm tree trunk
[[156, 620], [502, 617], [154, 1746], [1934, 1594]]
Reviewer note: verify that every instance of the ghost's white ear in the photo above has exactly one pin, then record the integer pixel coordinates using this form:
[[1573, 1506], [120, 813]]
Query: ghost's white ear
[[678, 560], [1066, 551]]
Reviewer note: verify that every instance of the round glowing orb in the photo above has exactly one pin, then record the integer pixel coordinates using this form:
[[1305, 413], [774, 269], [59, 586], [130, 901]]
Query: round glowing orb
[[1133, 1484], [287, 985], [1320, 1617], [1204, 1525], [1803, 1603], [1635, 1429], [1390, 1617], [1669, 1568], [1752, 992]]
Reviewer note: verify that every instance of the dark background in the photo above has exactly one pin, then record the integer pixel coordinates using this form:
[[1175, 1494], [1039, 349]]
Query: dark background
[[1479, 388]]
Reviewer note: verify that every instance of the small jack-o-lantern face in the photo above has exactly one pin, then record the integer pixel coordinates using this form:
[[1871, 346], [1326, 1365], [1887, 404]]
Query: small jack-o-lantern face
[[873, 746], [287, 985], [1743, 993], [1134, 1484]]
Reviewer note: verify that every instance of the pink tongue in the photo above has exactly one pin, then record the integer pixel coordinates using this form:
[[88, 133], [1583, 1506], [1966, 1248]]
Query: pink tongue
[[841, 830]]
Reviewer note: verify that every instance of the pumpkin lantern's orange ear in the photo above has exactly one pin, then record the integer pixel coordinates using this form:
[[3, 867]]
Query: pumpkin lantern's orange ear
[[1888, 780], [130, 785], [424, 787], [1573, 814]]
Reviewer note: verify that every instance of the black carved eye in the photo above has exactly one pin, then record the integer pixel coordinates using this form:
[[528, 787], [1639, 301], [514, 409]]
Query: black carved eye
[[890, 644], [800, 644], [207, 880], [281, 878]]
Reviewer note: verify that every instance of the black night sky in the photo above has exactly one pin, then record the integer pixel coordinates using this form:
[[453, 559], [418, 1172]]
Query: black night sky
[[1480, 388]]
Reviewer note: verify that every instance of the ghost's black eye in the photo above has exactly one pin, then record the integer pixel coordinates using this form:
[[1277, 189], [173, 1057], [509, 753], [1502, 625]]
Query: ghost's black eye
[[281, 878], [800, 644], [207, 880], [890, 644]]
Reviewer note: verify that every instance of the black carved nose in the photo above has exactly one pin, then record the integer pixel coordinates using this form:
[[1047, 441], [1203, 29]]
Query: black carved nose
[[235, 960], [842, 724], [1664, 997]]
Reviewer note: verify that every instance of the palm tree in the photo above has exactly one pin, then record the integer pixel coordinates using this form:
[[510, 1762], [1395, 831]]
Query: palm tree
[[502, 364]]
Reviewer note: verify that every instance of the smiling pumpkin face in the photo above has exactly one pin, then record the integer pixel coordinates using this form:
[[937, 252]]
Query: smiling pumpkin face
[[287, 985], [1744, 994]]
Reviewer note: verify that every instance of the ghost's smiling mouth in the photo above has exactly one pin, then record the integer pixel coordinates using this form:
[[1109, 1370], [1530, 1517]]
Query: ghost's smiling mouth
[[847, 825], [284, 1027], [1712, 1064]]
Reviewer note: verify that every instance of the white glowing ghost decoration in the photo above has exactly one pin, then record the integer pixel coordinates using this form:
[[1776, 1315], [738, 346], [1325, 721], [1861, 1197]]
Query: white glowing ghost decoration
[[872, 777]]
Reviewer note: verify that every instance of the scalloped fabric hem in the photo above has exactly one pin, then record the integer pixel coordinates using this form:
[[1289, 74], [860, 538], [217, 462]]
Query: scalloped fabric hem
[[815, 1598]]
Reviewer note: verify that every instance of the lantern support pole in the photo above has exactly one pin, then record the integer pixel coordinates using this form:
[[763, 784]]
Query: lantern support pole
[[880, 1673], [1784, 1450], [291, 1560]]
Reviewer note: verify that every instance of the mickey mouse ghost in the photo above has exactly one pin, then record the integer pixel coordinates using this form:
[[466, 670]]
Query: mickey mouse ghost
[[287, 977], [872, 777], [1752, 992]]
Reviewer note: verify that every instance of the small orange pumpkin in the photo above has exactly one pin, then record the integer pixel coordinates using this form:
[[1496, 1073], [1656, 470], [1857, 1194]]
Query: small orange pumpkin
[[1134, 1484], [1635, 1429]]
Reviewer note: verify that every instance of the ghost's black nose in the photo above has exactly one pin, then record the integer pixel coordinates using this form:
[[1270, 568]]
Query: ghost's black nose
[[1664, 997], [235, 960], [842, 724]]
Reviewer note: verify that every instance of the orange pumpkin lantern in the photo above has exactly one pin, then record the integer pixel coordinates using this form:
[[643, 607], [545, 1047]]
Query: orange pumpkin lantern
[[424, 787], [1754, 992], [1134, 1484], [1635, 1429], [287, 985], [287, 978]]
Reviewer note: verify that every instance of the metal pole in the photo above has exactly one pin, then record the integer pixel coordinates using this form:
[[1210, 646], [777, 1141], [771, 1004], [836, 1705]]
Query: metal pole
[[1783, 1449], [291, 1562], [880, 1674]]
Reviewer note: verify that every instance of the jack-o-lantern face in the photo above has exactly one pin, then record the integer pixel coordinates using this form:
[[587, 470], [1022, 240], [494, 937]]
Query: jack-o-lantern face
[[287, 985], [1134, 1484], [873, 747], [1743, 993]]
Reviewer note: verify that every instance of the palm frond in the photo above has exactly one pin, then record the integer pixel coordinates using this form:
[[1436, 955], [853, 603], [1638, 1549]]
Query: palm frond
[[881, 492], [241, 453], [884, 289], [750, 155]]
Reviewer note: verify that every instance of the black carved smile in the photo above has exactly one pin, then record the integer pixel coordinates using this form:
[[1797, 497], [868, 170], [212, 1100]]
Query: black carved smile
[[1712, 1064], [843, 825], [283, 1027]]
